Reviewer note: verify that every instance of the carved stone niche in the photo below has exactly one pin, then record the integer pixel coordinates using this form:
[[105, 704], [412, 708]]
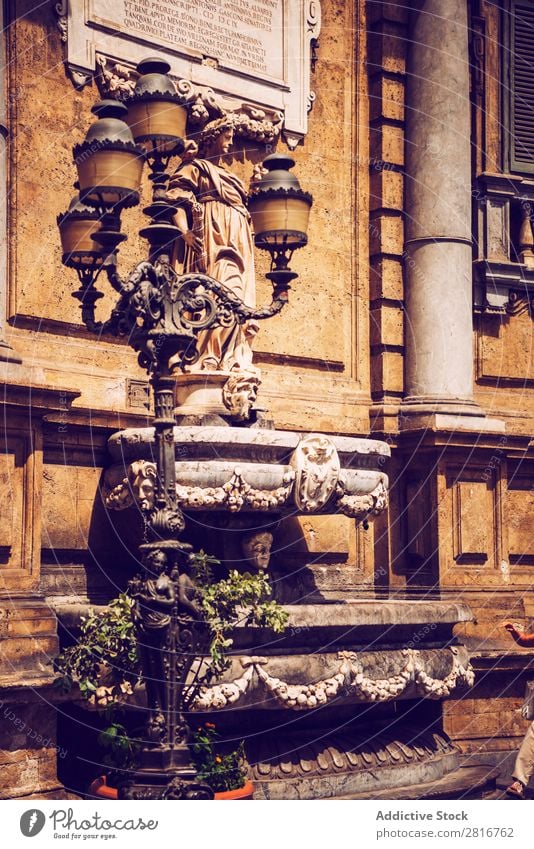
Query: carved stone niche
[[219, 52]]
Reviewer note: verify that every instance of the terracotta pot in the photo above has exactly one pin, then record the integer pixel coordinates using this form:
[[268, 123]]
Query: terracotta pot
[[245, 792], [99, 787]]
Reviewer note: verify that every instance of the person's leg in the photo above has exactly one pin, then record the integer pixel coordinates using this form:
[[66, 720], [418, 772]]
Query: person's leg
[[524, 763]]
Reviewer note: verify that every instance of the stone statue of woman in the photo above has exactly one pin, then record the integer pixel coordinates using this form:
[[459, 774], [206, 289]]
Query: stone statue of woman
[[216, 238]]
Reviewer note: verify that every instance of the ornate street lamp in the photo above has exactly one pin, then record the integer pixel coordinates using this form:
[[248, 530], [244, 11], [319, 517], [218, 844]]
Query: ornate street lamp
[[109, 162], [77, 227], [280, 212], [162, 313]]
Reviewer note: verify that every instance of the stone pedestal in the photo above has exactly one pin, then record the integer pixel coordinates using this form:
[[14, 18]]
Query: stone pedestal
[[348, 700], [200, 394]]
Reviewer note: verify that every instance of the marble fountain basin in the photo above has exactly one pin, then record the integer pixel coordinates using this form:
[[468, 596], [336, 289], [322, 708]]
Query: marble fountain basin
[[241, 469], [359, 651]]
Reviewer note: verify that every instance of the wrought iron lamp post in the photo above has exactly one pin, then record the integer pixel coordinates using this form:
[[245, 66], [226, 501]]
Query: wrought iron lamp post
[[161, 313]]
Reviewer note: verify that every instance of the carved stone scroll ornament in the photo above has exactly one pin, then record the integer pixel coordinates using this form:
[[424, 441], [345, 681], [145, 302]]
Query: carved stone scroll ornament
[[115, 79], [316, 464], [361, 506], [62, 9], [350, 676], [118, 79]]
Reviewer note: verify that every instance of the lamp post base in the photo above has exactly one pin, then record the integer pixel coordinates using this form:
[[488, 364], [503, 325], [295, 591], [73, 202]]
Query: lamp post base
[[165, 774], [167, 787]]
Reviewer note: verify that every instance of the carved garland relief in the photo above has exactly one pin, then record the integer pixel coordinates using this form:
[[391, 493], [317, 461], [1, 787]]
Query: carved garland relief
[[351, 676], [312, 480]]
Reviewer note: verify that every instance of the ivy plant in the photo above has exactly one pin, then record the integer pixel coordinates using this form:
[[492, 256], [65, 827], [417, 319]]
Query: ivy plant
[[241, 598], [105, 655]]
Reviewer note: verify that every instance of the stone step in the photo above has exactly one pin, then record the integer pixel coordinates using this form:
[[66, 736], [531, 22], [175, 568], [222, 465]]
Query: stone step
[[472, 782]]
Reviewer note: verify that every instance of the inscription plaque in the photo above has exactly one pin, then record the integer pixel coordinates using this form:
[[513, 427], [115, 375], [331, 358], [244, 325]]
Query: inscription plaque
[[246, 37], [249, 52]]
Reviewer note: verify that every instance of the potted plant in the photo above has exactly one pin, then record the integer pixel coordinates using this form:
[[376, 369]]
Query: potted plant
[[224, 771], [105, 664]]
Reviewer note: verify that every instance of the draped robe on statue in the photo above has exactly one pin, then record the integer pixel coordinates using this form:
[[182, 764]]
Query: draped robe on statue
[[224, 226]]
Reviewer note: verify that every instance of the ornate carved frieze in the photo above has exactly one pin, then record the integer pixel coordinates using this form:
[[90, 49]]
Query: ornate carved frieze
[[352, 679], [234, 495], [244, 469], [238, 494]]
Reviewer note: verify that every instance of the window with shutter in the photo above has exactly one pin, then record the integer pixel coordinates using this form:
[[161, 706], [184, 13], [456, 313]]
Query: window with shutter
[[520, 91]]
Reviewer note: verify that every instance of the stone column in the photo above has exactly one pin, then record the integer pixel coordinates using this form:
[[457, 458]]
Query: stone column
[[7, 354], [438, 260]]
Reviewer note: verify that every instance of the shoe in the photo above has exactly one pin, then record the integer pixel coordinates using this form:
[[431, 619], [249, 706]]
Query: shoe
[[516, 789]]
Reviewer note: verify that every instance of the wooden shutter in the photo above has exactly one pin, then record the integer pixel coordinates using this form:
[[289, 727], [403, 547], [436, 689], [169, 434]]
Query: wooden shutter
[[522, 86]]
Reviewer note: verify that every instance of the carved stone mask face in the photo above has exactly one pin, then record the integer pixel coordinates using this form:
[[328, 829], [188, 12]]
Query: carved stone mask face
[[146, 493], [142, 483], [257, 550]]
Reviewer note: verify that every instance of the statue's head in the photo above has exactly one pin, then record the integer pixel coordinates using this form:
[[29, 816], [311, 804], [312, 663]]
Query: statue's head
[[256, 547], [217, 137], [155, 561]]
